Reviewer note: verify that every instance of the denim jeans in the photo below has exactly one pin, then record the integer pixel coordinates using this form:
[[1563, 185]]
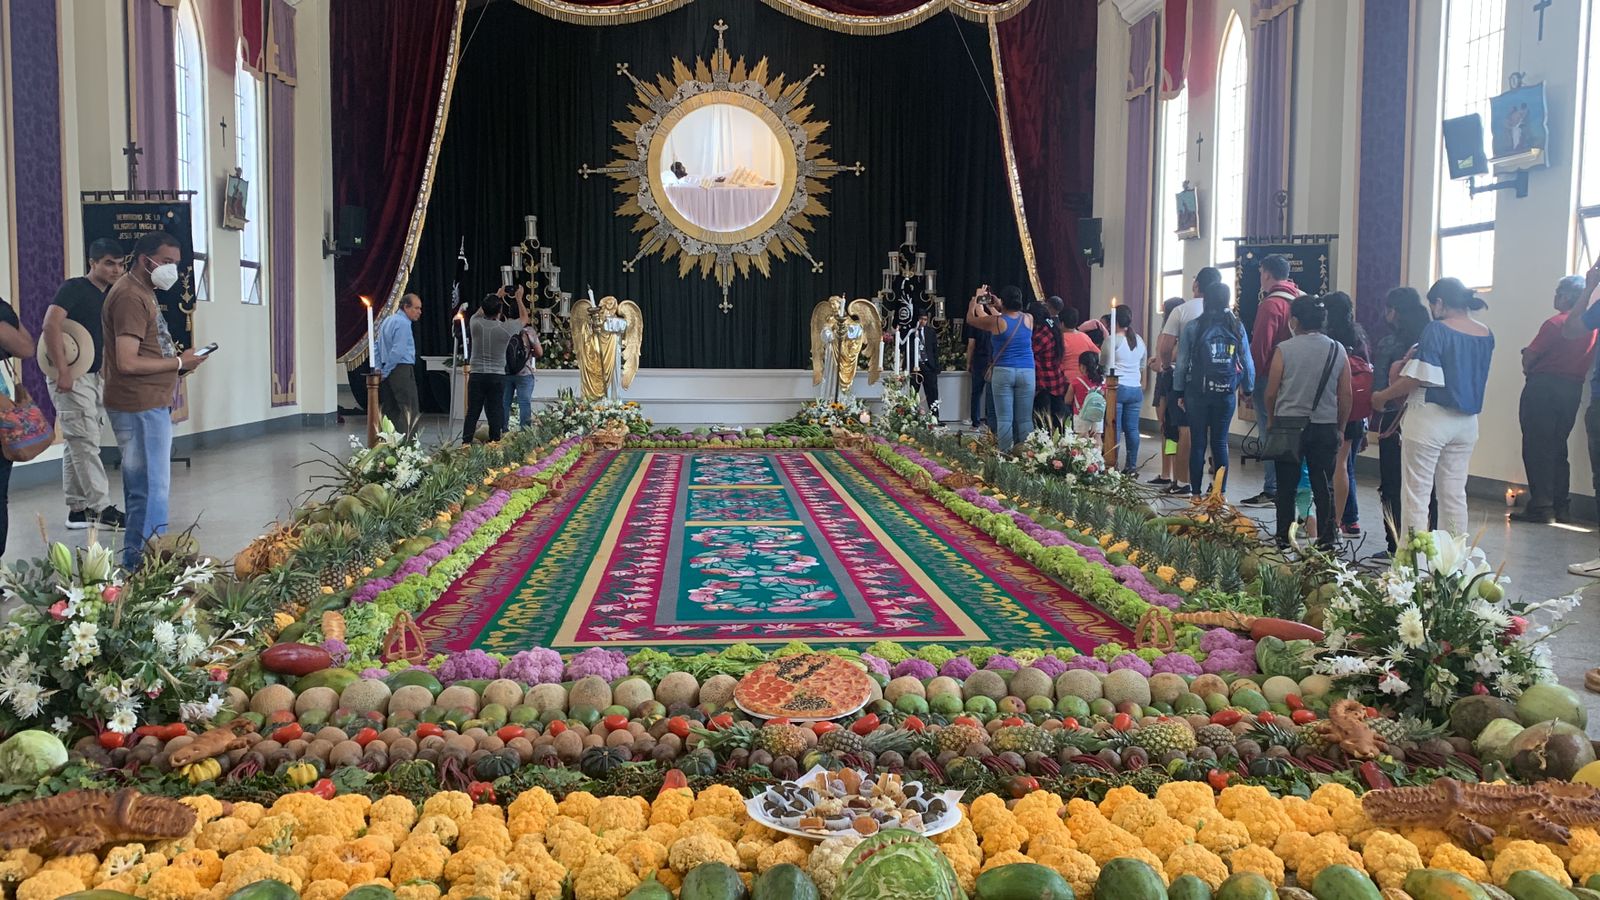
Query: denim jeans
[[1269, 483], [1319, 446], [1130, 398], [1208, 416], [1013, 405], [1352, 512], [145, 439], [520, 389]]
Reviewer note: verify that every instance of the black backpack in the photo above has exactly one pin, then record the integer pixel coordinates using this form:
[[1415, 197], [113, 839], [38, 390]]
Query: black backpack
[[1217, 352], [516, 354]]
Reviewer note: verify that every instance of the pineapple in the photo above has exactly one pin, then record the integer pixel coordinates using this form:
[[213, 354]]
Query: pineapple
[[1407, 729], [956, 738], [885, 740], [781, 740], [1163, 736], [289, 586], [1023, 739], [840, 741], [1217, 737], [333, 552], [1271, 734]]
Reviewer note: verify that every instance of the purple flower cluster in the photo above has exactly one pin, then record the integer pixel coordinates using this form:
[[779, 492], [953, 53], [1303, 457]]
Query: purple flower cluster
[[1228, 652], [464, 527], [1050, 665], [469, 665], [919, 669], [1177, 664], [932, 468], [540, 665], [958, 667], [374, 673], [1002, 663], [877, 665], [608, 665], [1133, 579], [1086, 662], [1130, 661], [338, 650]]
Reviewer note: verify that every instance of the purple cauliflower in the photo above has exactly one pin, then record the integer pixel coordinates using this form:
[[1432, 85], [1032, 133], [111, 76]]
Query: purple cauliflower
[[609, 665], [469, 665], [1130, 661], [959, 667], [1000, 661], [1235, 661], [540, 665], [919, 669], [373, 673], [339, 650], [1086, 662], [1176, 664], [1050, 666], [877, 665]]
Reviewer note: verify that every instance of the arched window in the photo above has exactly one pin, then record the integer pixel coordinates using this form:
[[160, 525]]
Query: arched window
[[1589, 156], [1174, 169], [247, 125], [1474, 42], [1233, 76], [191, 146]]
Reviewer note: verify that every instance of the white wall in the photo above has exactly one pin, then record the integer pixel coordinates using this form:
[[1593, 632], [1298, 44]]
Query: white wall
[[1534, 235]]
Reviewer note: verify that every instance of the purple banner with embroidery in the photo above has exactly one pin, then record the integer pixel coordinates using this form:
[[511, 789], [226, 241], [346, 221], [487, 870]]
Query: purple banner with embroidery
[[1381, 167], [40, 228]]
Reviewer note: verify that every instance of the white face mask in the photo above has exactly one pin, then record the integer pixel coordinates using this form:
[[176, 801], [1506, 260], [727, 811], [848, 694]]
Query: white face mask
[[164, 277]]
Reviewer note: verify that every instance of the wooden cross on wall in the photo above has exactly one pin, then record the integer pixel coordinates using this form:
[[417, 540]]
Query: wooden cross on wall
[[1539, 7]]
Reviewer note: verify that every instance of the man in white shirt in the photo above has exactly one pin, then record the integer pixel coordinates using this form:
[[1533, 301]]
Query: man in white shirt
[[1167, 354]]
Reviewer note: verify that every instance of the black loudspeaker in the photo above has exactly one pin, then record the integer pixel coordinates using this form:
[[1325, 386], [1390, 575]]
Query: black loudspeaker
[[1463, 146], [1089, 242], [352, 230]]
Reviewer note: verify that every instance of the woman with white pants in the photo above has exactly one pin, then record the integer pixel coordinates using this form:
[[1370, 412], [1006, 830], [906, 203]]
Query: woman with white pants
[[1444, 380]]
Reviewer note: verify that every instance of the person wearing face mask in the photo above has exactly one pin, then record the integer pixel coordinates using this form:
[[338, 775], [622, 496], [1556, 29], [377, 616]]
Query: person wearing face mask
[[142, 368]]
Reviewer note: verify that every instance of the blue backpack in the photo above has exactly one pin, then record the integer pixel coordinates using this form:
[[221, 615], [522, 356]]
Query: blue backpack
[[1216, 364]]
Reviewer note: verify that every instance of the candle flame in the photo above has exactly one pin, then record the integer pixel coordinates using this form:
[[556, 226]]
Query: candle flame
[[458, 317], [366, 301]]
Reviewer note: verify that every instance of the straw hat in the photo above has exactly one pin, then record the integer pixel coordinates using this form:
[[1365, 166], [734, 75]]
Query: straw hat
[[78, 346]]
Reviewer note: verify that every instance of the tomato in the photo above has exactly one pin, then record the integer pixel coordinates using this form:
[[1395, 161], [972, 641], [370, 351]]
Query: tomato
[[1022, 785], [675, 779], [323, 788], [366, 736], [1218, 779], [1226, 717], [111, 740], [967, 720], [1122, 722], [821, 728], [865, 725], [615, 722], [556, 728], [678, 725], [781, 720], [431, 729], [510, 733], [1303, 717], [913, 725], [281, 717], [717, 722], [1069, 723], [1372, 712], [1294, 702], [289, 732], [1266, 717], [481, 792], [1012, 721]]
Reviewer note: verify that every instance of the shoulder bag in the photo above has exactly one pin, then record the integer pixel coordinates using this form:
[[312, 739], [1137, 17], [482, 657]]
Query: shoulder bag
[[988, 374], [24, 431], [1283, 435]]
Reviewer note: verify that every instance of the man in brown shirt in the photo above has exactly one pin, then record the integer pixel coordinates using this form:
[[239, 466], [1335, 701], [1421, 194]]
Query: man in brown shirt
[[141, 373]]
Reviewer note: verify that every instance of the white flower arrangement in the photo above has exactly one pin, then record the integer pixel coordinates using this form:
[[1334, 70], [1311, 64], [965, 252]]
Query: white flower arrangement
[[396, 462]]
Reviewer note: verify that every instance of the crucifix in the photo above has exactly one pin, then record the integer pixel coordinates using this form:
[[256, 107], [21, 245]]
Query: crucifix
[[1539, 7], [224, 126], [1199, 144], [132, 152]]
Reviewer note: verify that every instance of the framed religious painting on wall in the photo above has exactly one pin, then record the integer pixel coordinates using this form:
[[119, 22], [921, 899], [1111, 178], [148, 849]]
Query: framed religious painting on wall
[[1188, 213], [234, 215], [1519, 128]]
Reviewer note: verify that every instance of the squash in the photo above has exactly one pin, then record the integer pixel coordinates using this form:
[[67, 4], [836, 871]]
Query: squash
[[495, 765], [712, 881], [1441, 884], [1285, 629], [697, 763], [1532, 885], [369, 892], [295, 659], [1246, 886], [270, 889], [785, 881], [650, 889], [1344, 883], [597, 762], [1124, 878], [1022, 881], [1188, 887]]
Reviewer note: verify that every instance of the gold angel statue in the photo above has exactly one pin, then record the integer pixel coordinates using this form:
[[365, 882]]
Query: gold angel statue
[[606, 338], [840, 330]]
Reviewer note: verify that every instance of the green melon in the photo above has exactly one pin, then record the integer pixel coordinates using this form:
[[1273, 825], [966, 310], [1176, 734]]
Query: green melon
[[1023, 881], [414, 676]]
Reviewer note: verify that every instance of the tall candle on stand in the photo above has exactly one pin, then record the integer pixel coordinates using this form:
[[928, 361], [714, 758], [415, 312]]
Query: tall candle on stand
[[530, 227], [1111, 335], [461, 321], [372, 343], [911, 234]]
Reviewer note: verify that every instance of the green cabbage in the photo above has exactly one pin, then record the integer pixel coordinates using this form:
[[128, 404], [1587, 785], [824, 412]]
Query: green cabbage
[[1290, 659], [28, 756]]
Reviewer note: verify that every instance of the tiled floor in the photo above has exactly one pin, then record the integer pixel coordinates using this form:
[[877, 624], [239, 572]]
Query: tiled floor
[[232, 493]]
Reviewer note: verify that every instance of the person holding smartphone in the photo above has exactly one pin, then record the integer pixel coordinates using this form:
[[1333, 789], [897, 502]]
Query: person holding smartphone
[[142, 366], [486, 385]]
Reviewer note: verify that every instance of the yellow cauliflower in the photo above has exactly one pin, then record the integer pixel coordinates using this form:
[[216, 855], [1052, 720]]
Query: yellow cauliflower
[[50, 884], [790, 850], [119, 859], [394, 808], [1193, 859], [750, 828], [1040, 812], [223, 835], [570, 843], [1138, 816], [541, 874], [1388, 857], [393, 832], [966, 865], [17, 865], [359, 804], [1306, 816], [662, 833], [1166, 836], [1221, 836], [420, 858], [326, 889], [1519, 855], [442, 827], [484, 832], [1258, 859], [642, 855], [672, 807], [1117, 796], [173, 883], [1344, 806], [605, 878], [418, 890], [248, 812], [1186, 801], [1002, 835], [82, 866], [749, 850], [205, 806], [719, 800], [1009, 857], [1079, 869], [1106, 842], [205, 864], [494, 879], [986, 811], [1325, 850], [1426, 840], [1452, 858], [688, 852], [721, 826], [1290, 846], [578, 805], [354, 861], [1257, 810], [454, 805]]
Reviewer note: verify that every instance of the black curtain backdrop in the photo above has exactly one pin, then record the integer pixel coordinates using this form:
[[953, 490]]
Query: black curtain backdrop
[[535, 98]]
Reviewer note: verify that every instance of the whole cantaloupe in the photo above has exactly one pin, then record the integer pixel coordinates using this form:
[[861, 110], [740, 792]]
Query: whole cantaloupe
[[412, 698], [1166, 687], [632, 692], [590, 690], [503, 692], [1029, 682], [325, 699], [718, 690], [458, 696], [366, 695], [546, 697], [1081, 683], [905, 684], [984, 683], [678, 689], [941, 686], [272, 698], [1124, 685]]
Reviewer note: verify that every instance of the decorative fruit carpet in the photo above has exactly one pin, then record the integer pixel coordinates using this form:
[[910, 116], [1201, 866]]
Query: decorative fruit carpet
[[647, 548]]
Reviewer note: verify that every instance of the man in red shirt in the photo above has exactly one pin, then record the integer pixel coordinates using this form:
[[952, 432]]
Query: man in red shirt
[[1555, 365], [1271, 329]]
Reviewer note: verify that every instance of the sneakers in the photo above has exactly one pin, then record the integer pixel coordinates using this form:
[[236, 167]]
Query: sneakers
[[1351, 530], [1261, 499], [112, 518], [1590, 569], [77, 519], [109, 518], [1159, 480], [1176, 488], [1534, 516]]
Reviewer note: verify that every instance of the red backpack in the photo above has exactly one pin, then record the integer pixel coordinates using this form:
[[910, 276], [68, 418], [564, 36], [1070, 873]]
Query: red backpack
[[1360, 388]]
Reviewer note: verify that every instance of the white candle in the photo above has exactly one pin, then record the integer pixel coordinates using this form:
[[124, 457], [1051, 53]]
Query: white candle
[[929, 283], [922, 263], [911, 234], [530, 226], [505, 276], [372, 342], [516, 257], [591, 297], [461, 320], [1111, 340], [888, 281], [544, 257]]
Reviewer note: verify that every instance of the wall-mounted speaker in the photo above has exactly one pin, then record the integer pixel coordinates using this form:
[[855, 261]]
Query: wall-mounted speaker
[[1094, 252], [1463, 146]]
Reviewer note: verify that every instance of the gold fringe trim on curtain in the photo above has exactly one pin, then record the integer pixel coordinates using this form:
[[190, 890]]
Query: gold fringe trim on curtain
[[639, 10], [1013, 177], [356, 355]]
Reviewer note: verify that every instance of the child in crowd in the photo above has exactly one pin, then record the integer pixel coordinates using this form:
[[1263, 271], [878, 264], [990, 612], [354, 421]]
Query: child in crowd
[[1088, 397]]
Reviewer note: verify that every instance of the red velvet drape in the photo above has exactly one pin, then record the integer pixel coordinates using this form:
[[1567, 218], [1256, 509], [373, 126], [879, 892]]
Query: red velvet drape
[[1048, 52], [388, 62], [864, 7]]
